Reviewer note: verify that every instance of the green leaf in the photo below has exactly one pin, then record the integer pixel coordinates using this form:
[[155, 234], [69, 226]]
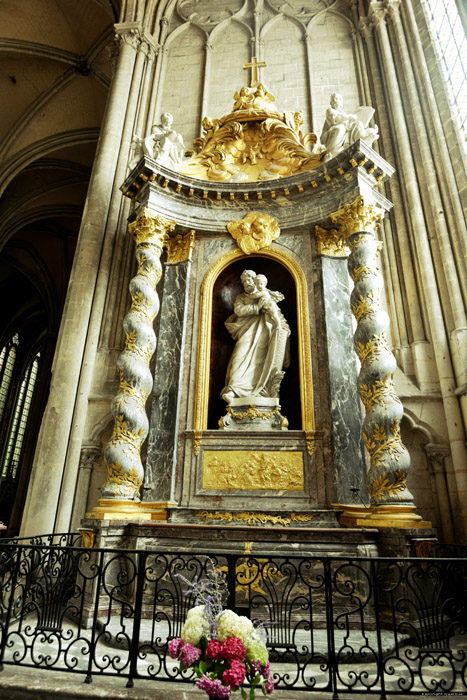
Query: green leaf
[[243, 693], [202, 667], [252, 694], [263, 688], [257, 679]]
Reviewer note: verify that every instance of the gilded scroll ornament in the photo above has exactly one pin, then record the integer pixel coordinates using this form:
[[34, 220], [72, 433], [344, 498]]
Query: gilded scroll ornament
[[253, 142], [180, 248], [122, 453], [255, 231], [252, 518], [89, 537], [252, 412], [331, 243], [358, 216], [245, 470]]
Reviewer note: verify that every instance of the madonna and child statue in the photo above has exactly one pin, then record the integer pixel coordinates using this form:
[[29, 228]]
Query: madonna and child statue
[[256, 367]]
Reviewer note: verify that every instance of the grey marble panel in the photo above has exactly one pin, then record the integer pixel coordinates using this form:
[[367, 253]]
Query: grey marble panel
[[349, 470], [163, 427]]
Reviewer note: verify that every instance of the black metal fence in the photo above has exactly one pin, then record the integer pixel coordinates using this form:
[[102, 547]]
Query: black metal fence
[[376, 625]]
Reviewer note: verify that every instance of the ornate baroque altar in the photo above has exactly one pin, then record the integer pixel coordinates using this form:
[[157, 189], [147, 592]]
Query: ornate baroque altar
[[318, 446]]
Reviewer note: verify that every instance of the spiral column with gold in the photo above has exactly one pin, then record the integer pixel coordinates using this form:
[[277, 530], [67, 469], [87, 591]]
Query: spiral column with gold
[[391, 503], [125, 472]]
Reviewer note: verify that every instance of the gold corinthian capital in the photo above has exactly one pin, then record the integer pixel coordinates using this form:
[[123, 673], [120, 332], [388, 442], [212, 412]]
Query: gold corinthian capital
[[150, 228], [358, 217]]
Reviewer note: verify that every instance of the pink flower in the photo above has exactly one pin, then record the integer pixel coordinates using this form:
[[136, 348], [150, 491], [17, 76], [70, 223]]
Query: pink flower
[[174, 647], [189, 654], [269, 685], [213, 649], [265, 671], [233, 649], [235, 675]]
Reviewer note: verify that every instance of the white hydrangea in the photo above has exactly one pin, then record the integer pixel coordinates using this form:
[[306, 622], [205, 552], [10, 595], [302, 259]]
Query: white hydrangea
[[193, 630], [196, 613], [229, 624], [196, 625]]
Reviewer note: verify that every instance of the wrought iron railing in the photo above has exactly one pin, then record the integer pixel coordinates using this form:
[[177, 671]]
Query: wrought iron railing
[[376, 625]]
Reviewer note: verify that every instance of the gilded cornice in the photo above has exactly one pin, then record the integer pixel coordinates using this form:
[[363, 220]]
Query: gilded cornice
[[255, 231], [358, 217]]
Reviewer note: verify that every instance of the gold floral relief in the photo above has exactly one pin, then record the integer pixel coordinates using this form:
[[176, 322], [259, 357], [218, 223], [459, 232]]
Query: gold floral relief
[[331, 243], [180, 248], [245, 470]]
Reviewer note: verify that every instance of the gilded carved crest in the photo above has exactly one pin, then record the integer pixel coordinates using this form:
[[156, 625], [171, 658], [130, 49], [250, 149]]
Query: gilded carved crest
[[255, 231], [254, 142]]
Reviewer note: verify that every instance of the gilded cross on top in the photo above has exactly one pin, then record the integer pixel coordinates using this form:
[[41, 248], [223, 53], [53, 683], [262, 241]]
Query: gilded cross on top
[[255, 65]]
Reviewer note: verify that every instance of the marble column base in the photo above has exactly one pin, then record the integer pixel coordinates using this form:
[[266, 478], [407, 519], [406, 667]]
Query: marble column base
[[253, 413], [393, 516]]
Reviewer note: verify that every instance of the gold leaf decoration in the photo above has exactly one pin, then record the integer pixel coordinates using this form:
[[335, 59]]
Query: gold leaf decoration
[[245, 470], [255, 231]]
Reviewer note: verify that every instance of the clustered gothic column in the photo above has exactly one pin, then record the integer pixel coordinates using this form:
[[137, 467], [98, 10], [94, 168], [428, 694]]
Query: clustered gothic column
[[122, 454], [391, 501], [49, 480], [431, 263]]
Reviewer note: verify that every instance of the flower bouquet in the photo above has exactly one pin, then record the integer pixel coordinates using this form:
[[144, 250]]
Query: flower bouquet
[[223, 648]]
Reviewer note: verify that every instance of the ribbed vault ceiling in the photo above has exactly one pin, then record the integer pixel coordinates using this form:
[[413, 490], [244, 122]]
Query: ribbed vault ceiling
[[55, 72]]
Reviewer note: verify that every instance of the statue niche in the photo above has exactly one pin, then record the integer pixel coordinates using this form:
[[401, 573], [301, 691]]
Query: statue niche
[[227, 382]]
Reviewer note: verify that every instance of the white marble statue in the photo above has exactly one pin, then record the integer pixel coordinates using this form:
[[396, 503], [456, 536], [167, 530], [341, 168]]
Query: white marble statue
[[341, 129], [163, 144], [262, 341]]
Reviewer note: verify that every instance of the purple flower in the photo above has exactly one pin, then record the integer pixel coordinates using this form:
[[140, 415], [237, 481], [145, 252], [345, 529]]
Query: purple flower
[[266, 671], [189, 654], [255, 666], [214, 689], [269, 685], [174, 647]]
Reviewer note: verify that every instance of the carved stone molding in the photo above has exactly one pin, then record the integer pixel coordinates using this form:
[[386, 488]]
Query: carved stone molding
[[88, 455], [436, 455], [254, 232]]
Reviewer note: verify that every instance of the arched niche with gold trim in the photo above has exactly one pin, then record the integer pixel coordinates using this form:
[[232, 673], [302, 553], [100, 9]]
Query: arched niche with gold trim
[[219, 288]]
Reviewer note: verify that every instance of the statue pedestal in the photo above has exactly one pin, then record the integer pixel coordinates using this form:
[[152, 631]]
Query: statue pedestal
[[253, 413]]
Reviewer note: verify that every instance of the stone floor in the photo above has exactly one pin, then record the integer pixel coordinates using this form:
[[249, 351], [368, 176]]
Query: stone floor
[[20, 683], [28, 683]]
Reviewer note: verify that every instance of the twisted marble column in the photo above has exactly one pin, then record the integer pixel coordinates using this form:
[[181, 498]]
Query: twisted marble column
[[389, 459], [122, 454]]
